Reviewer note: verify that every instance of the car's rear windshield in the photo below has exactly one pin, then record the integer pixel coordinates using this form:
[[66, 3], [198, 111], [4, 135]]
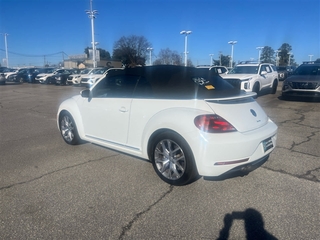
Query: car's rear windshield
[[166, 82], [308, 70]]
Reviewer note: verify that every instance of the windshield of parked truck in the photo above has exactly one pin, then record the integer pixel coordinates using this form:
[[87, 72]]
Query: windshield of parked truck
[[245, 69]]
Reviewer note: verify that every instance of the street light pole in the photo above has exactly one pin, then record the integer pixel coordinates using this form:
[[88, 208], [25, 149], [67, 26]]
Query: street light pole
[[150, 56], [211, 60], [91, 13], [232, 44], [310, 57], [277, 58], [6, 47], [220, 57], [289, 58], [259, 48], [186, 33]]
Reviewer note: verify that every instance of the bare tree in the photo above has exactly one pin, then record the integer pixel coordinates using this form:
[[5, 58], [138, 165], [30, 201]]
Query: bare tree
[[168, 57], [131, 51]]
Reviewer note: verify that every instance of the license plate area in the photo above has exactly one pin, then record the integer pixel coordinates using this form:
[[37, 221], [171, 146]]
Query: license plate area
[[267, 144]]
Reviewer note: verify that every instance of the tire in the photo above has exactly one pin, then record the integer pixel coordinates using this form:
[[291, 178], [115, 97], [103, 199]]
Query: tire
[[274, 87], [256, 88], [68, 129], [172, 159]]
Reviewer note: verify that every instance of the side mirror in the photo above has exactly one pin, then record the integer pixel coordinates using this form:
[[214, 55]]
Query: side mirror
[[263, 72], [85, 93]]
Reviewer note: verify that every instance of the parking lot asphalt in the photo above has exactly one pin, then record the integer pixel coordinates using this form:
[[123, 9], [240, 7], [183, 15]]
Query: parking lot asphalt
[[50, 190]]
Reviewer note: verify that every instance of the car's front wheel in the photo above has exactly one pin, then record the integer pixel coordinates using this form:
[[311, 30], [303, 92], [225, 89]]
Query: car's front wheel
[[172, 159], [68, 129]]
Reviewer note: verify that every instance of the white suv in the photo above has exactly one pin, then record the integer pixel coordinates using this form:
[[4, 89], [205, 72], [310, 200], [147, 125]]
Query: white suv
[[255, 77]]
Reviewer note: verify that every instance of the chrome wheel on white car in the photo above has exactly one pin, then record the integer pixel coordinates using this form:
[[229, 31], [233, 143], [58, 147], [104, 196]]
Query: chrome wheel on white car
[[68, 129], [173, 160]]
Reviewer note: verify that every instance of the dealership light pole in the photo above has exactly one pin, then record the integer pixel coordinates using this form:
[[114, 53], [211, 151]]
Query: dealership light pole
[[186, 33], [289, 58], [150, 56], [232, 44], [259, 48], [277, 58], [6, 47], [91, 13], [211, 60], [310, 57]]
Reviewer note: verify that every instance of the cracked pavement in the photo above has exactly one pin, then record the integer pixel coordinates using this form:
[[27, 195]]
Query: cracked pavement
[[50, 190], [298, 137]]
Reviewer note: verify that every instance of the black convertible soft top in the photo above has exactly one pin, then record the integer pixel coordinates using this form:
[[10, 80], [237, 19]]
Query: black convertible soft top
[[176, 82]]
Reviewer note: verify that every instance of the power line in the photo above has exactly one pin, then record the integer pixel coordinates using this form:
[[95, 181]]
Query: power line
[[33, 55]]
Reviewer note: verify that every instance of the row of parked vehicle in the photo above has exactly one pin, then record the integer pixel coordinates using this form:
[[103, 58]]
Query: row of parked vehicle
[[82, 77], [248, 76], [303, 81]]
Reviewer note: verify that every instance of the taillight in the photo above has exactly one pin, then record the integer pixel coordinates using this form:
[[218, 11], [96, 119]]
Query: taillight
[[213, 124]]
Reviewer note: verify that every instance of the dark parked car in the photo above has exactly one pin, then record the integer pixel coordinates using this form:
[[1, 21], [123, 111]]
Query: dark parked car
[[282, 73], [3, 69], [24, 75], [304, 82], [61, 77], [2, 79]]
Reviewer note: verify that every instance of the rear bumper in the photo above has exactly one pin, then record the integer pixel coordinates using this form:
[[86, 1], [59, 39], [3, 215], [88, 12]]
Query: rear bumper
[[241, 170], [224, 154]]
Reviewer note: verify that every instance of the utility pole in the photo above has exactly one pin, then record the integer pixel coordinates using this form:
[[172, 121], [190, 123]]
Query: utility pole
[[211, 60], [6, 47], [259, 48], [150, 55], [186, 33], [232, 44], [91, 14]]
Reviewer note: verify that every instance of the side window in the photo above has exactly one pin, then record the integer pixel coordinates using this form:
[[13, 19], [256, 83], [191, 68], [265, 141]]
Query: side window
[[120, 86], [262, 68], [143, 89], [268, 69]]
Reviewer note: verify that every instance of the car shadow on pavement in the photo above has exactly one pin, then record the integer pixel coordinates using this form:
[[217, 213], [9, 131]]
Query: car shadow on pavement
[[253, 224]]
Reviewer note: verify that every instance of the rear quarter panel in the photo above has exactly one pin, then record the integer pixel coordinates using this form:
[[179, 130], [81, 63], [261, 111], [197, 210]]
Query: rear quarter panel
[[149, 116]]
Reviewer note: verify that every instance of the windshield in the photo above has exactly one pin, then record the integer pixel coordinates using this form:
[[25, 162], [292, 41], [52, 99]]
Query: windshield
[[308, 70], [245, 69], [85, 71], [98, 71]]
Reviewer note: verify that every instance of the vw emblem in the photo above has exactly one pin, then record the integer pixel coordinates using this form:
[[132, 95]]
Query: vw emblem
[[253, 112]]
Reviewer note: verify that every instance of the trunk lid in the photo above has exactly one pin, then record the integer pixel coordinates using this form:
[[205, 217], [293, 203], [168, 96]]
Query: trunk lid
[[243, 112]]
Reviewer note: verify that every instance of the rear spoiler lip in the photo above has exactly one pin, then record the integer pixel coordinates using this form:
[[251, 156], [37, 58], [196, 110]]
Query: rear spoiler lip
[[243, 96]]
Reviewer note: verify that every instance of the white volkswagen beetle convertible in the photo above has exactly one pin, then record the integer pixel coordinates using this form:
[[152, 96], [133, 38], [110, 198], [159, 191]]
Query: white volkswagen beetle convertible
[[187, 121]]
